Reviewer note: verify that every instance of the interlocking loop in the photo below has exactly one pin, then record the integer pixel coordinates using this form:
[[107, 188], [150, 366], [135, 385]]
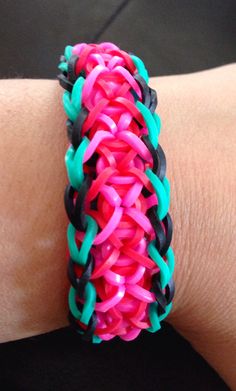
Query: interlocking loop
[[76, 210], [163, 299], [121, 263]]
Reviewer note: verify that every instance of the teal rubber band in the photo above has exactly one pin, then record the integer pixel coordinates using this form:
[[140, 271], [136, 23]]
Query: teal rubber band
[[166, 185], [77, 93], [63, 66], [96, 339], [162, 193], [80, 255], [89, 303], [171, 260], [153, 131], [72, 303], [154, 320], [153, 316], [158, 121], [74, 163], [140, 67], [68, 52], [68, 107], [90, 234], [72, 101]]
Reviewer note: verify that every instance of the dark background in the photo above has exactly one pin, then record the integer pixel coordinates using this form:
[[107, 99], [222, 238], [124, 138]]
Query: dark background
[[171, 37]]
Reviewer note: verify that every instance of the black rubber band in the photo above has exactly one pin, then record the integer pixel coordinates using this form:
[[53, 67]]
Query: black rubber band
[[71, 68], [159, 232], [163, 299], [76, 212], [170, 291], [85, 276], [79, 209], [64, 82], [149, 95], [74, 130], [158, 157], [146, 97], [87, 334], [79, 283], [169, 230], [159, 295], [150, 102], [154, 100]]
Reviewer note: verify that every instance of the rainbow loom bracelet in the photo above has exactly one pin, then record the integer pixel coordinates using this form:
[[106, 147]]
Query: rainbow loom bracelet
[[120, 261]]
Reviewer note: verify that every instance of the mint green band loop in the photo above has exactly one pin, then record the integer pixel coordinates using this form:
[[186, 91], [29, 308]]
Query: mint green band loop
[[72, 101], [166, 185], [76, 93], [89, 303], [162, 194], [63, 66], [154, 318], [171, 260], [153, 131], [80, 255], [68, 107], [158, 121], [140, 67], [96, 339], [68, 52], [72, 303], [88, 307], [74, 163]]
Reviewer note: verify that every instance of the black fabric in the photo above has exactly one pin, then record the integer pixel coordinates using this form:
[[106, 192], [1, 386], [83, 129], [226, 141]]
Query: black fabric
[[171, 37]]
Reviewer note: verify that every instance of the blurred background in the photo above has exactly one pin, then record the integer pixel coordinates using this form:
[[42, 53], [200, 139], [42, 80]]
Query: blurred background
[[171, 37]]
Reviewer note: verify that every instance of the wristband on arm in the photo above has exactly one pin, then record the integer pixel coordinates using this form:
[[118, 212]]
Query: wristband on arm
[[120, 263]]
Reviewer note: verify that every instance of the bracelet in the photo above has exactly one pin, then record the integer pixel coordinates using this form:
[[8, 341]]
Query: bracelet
[[120, 263]]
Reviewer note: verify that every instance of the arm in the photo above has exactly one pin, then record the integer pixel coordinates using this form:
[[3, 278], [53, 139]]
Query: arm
[[198, 116]]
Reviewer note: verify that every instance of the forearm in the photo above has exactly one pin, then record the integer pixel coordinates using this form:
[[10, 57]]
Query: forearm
[[197, 137], [33, 223], [199, 116]]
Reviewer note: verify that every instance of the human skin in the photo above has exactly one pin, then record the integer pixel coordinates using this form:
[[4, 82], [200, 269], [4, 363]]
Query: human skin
[[198, 113]]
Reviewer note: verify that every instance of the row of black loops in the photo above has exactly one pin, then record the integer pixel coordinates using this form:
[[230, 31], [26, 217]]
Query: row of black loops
[[79, 284], [76, 210], [67, 79], [74, 129], [163, 239], [158, 158], [149, 95]]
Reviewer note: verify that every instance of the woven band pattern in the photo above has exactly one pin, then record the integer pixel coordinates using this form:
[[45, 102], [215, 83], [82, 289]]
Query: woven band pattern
[[120, 263]]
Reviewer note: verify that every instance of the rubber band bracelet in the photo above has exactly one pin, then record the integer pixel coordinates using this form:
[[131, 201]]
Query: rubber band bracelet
[[120, 263]]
